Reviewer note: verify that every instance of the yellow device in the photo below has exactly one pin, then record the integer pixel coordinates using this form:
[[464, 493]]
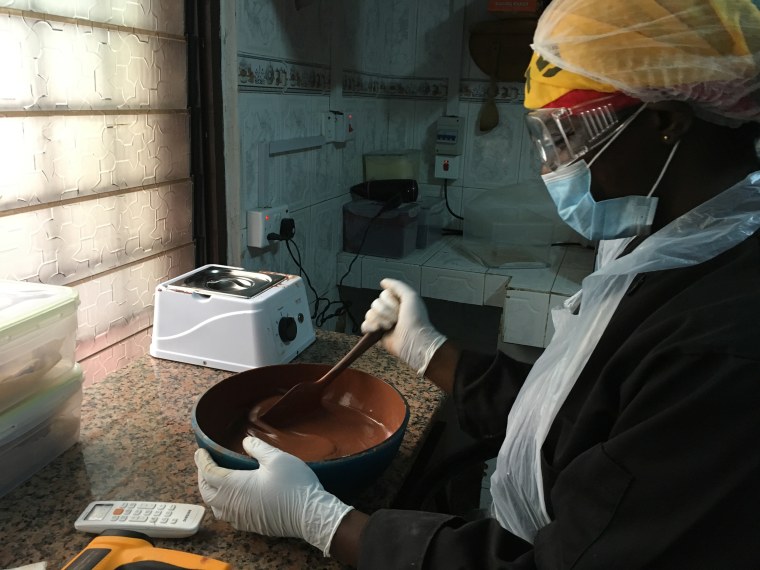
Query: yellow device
[[130, 550]]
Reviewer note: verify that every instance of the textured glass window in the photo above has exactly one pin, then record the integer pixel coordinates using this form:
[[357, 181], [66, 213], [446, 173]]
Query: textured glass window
[[95, 188]]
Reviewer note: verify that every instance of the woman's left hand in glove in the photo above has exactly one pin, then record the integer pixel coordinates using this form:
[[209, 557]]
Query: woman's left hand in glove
[[283, 497]]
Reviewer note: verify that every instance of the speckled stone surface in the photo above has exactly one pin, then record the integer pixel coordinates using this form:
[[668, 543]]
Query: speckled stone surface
[[136, 442]]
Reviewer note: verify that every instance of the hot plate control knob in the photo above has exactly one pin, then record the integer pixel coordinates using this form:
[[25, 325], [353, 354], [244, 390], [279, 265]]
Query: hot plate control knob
[[287, 328]]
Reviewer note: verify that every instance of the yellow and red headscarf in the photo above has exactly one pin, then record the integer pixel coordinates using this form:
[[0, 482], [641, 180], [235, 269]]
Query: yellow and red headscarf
[[704, 52]]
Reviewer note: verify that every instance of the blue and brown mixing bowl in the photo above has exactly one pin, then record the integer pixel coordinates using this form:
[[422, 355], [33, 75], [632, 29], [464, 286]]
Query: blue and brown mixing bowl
[[221, 414]]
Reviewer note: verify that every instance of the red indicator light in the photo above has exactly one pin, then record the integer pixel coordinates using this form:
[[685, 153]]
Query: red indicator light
[[266, 217]]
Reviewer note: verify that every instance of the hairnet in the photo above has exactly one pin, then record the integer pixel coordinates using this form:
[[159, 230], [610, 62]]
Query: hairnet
[[704, 52]]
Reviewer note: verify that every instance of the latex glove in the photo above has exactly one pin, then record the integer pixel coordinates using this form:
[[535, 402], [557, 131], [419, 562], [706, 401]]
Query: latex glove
[[413, 339], [283, 497]]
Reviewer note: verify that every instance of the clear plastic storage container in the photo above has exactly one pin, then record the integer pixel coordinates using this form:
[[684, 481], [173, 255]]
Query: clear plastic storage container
[[39, 429], [430, 222], [37, 338], [368, 229], [512, 227]]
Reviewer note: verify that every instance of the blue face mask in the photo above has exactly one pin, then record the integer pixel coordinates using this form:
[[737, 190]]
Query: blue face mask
[[570, 188]]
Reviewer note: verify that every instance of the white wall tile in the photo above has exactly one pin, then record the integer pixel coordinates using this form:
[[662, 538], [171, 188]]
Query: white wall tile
[[492, 158], [435, 34], [371, 135], [260, 27], [495, 289], [401, 117], [452, 255], [533, 279], [328, 181], [375, 269], [474, 12], [304, 31], [452, 285], [400, 36], [324, 240], [524, 319], [381, 36]]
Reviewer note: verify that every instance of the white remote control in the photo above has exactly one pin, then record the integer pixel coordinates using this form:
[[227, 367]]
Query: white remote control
[[159, 520]]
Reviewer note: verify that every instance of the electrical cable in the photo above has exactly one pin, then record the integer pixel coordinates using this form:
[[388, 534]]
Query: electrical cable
[[287, 232], [317, 316], [446, 197], [320, 317], [393, 203]]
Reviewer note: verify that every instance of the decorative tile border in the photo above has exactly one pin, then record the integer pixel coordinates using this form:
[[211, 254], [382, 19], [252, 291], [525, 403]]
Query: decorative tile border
[[374, 85], [256, 73], [477, 89]]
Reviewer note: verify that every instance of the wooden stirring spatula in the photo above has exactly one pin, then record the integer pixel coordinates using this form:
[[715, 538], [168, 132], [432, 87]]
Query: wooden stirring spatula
[[303, 397]]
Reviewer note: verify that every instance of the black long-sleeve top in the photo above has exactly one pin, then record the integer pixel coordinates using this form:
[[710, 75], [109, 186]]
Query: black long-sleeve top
[[653, 460]]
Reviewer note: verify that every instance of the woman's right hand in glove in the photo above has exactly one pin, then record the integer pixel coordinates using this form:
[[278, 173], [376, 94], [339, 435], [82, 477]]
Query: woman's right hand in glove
[[401, 311]]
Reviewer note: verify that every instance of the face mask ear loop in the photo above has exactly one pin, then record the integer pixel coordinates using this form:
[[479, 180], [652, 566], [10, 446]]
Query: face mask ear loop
[[622, 127], [664, 168]]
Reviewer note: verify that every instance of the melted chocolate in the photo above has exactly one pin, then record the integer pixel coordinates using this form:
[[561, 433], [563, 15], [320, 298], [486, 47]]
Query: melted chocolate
[[328, 432], [357, 412]]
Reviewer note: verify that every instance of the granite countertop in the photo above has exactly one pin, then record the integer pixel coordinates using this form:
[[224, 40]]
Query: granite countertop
[[136, 442]]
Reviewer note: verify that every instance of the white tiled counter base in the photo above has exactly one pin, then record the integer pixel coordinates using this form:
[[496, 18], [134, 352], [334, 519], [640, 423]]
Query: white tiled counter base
[[444, 271]]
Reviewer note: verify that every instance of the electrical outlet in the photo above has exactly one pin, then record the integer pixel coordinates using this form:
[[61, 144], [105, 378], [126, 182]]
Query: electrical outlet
[[349, 127], [345, 127], [328, 126], [447, 167], [262, 222], [338, 127]]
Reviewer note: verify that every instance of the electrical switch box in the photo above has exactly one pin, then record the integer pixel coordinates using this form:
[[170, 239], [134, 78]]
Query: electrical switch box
[[448, 136], [345, 127], [338, 127], [262, 222], [328, 126], [447, 167]]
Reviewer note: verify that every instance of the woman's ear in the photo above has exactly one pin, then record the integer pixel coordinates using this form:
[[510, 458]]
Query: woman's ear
[[674, 120]]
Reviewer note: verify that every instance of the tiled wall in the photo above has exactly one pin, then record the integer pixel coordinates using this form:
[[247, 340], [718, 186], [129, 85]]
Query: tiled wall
[[388, 62]]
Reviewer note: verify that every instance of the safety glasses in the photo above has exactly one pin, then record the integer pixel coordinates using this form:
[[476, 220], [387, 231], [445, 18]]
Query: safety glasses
[[562, 135]]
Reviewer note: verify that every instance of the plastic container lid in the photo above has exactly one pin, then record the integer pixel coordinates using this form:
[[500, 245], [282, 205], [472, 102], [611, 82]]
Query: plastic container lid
[[431, 203], [23, 305], [379, 165], [37, 409]]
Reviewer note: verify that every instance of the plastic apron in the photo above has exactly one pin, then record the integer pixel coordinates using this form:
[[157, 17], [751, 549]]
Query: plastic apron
[[697, 236], [609, 249]]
